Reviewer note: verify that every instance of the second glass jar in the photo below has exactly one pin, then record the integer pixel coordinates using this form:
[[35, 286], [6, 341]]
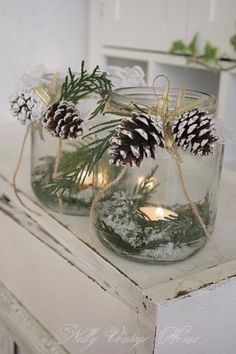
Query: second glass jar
[[146, 216]]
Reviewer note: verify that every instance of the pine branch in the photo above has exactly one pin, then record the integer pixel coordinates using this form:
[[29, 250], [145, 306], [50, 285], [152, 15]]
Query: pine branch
[[111, 122], [102, 128], [74, 89], [87, 158], [143, 191]]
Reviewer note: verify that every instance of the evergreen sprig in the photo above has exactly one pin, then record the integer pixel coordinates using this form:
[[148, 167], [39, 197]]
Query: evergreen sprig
[[82, 167], [143, 191], [74, 88]]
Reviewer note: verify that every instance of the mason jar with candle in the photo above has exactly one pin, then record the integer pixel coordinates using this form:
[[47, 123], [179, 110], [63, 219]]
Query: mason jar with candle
[[53, 157], [163, 210]]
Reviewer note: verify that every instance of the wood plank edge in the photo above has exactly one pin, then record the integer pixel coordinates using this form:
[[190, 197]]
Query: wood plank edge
[[25, 328]]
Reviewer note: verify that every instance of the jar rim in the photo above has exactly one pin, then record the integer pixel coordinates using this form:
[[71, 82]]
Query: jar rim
[[123, 95]]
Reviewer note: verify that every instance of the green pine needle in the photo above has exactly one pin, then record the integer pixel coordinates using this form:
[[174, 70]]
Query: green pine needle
[[143, 191], [74, 89], [83, 163]]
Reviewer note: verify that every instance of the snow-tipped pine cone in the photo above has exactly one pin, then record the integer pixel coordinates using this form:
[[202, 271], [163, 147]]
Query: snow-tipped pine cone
[[62, 120], [137, 137], [27, 106], [195, 131]]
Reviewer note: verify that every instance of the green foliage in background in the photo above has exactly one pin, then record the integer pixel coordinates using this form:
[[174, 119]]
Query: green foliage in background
[[211, 56]]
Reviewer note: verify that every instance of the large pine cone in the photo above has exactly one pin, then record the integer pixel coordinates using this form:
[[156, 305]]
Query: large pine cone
[[62, 120], [195, 131], [27, 106], [136, 138]]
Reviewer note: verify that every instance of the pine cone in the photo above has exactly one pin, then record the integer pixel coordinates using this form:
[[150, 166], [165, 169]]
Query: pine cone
[[136, 138], [195, 131], [62, 120], [27, 106]]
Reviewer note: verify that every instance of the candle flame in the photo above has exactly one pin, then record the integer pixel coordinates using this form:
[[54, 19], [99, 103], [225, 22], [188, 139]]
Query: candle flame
[[158, 213]]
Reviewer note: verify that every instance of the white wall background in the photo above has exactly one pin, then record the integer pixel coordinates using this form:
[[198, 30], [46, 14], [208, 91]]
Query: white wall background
[[34, 32]]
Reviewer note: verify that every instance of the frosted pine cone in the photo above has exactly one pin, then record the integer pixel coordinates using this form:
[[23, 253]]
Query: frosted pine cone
[[136, 138], [195, 131], [62, 120], [27, 106]]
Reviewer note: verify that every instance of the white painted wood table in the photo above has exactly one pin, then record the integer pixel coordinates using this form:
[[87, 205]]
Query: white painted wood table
[[61, 294]]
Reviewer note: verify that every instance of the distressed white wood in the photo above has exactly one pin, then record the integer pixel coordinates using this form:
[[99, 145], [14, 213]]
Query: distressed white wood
[[162, 293], [27, 332], [55, 292], [177, 320], [6, 340], [84, 257], [22, 351], [201, 322]]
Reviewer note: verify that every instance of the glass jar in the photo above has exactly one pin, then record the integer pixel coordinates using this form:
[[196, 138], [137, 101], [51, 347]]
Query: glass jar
[[146, 216], [44, 168]]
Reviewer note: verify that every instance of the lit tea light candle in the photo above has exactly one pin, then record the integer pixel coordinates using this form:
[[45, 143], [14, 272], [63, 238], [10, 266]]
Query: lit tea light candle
[[158, 213]]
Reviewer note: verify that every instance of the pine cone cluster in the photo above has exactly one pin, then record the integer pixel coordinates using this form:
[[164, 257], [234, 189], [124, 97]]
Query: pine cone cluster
[[27, 106], [62, 120], [195, 131], [136, 138]]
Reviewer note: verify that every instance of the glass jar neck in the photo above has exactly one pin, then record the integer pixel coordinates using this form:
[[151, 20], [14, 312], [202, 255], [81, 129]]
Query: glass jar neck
[[146, 96]]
